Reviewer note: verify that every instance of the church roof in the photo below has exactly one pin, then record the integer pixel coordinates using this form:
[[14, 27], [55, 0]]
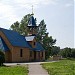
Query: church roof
[[38, 47], [32, 22], [15, 38], [18, 40]]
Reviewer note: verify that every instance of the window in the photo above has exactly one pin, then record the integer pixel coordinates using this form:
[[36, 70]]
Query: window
[[34, 43], [21, 52], [30, 53], [42, 54]]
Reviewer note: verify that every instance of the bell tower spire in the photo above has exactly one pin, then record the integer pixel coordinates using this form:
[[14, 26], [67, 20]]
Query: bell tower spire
[[32, 27], [32, 10]]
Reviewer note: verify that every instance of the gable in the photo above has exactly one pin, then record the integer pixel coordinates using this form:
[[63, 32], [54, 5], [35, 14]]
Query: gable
[[3, 45]]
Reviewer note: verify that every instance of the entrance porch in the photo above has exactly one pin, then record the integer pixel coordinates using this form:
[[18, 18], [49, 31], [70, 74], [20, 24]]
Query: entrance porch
[[37, 55]]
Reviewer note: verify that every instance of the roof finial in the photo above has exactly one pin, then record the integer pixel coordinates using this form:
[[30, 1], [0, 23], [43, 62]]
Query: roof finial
[[32, 10]]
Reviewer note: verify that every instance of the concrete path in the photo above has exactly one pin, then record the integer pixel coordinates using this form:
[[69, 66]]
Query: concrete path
[[36, 69], [12, 64]]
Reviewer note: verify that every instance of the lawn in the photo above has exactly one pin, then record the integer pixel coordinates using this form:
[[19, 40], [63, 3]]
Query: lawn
[[14, 70], [62, 67]]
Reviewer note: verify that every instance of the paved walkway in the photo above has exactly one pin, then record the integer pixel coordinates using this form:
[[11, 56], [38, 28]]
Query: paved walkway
[[11, 64], [36, 69]]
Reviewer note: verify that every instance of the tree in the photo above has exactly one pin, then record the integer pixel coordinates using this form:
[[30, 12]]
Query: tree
[[22, 26], [46, 41], [15, 26], [55, 50], [73, 53], [42, 31], [42, 34], [66, 52]]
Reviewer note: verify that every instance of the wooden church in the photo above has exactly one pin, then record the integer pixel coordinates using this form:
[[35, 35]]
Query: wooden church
[[19, 48]]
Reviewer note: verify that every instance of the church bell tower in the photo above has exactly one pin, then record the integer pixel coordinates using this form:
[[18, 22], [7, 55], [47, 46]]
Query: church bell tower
[[32, 27]]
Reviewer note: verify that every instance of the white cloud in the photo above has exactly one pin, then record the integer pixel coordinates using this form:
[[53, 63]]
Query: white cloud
[[8, 9], [35, 3], [7, 15], [68, 4]]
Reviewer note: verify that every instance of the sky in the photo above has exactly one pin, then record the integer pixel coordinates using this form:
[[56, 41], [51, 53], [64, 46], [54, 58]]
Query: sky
[[57, 14]]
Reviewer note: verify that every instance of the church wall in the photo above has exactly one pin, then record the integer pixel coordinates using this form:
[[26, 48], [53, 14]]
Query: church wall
[[8, 56], [44, 55], [39, 56], [13, 54], [16, 54], [32, 56]]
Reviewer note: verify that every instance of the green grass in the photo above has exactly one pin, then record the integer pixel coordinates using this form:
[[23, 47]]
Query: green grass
[[63, 67], [14, 70]]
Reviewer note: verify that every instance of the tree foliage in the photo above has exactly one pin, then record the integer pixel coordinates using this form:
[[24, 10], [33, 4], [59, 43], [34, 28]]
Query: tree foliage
[[73, 53], [15, 26], [46, 41], [68, 52], [21, 27], [42, 34], [55, 50]]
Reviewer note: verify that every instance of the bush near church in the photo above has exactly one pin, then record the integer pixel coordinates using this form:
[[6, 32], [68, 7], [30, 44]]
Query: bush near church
[[2, 58]]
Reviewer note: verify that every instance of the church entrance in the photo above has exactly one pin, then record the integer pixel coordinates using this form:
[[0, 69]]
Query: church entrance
[[36, 55]]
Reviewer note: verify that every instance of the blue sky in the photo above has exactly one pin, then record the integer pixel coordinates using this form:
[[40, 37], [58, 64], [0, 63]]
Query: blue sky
[[58, 15]]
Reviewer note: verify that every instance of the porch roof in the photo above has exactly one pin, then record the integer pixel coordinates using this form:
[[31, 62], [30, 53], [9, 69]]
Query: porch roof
[[38, 47]]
